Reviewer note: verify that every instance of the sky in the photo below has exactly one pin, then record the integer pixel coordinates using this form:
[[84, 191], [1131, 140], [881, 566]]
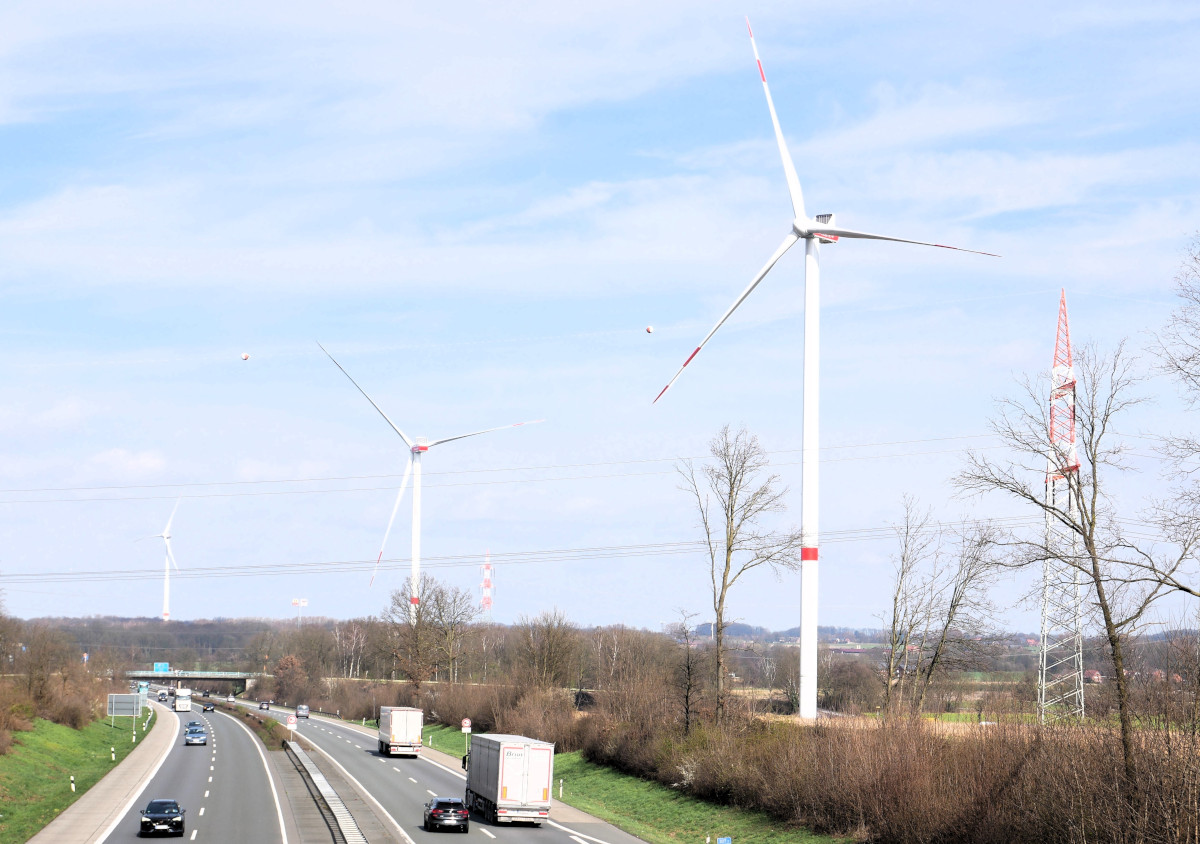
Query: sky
[[479, 210]]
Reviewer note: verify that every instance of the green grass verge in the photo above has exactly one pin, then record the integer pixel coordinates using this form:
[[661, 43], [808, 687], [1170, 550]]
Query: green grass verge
[[650, 811], [35, 775]]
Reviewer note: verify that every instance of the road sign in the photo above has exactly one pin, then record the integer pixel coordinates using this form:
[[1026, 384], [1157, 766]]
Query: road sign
[[162, 667], [291, 722], [466, 725], [125, 706], [728, 840]]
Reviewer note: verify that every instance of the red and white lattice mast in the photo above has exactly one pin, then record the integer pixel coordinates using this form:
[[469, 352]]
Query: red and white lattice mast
[[485, 602], [1060, 673]]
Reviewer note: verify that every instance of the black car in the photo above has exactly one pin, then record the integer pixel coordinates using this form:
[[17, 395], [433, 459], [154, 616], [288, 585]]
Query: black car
[[162, 816], [209, 707], [205, 694], [446, 811]]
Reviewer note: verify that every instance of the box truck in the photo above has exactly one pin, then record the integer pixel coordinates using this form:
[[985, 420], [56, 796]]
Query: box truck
[[400, 730], [509, 778], [183, 700]]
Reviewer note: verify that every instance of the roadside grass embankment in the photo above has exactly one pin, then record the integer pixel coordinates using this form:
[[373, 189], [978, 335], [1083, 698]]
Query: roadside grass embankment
[[35, 775], [652, 812]]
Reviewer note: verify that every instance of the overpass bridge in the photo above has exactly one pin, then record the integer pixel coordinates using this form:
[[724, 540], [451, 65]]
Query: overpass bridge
[[182, 677]]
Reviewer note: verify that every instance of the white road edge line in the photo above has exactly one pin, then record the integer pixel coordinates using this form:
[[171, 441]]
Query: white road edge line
[[573, 833], [577, 839], [153, 773], [444, 768], [363, 791], [274, 794]]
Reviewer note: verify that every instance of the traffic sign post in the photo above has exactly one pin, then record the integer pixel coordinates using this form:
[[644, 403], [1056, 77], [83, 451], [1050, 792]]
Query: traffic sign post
[[291, 725], [466, 725]]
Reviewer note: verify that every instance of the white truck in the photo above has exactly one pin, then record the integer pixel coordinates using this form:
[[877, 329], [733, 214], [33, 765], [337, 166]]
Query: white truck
[[400, 730], [509, 778], [183, 700]]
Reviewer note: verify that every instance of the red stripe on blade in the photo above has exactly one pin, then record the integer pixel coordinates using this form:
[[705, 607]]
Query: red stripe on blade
[[692, 355], [660, 395], [760, 70], [808, 553]]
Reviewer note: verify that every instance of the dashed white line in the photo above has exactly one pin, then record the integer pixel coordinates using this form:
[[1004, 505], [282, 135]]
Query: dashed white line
[[359, 746], [201, 811], [430, 793], [485, 832], [193, 838], [212, 767], [410, 779], [210, 779], [206, 794]]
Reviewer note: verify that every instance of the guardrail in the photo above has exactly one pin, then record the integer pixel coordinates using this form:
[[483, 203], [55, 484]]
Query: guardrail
[[344, 827]]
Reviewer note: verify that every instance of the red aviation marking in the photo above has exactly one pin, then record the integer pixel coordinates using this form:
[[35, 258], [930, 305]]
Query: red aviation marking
[[748, 29], [660, 395], [760, 71], [830, 238], [417, 448], [414, 600], [808, 554], [692, 355]]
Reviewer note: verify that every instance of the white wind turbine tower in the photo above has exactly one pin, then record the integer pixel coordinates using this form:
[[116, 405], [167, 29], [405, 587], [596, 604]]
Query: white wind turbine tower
[[813, 231], [169, 561], [416, 449]]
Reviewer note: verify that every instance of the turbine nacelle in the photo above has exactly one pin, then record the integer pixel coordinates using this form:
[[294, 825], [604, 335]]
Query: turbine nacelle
[[815, 227]]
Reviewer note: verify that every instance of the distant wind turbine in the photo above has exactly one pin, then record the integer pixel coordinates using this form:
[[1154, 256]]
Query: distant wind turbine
[[416, 448], [813, 231], [169, 561]]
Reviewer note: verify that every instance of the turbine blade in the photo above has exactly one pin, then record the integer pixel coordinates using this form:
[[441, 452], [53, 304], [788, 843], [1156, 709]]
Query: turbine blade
[[171, 556], [407, 441], [788, 243], [487, 431], [789, 169], [835, 232], [395, 509], [167, 529]]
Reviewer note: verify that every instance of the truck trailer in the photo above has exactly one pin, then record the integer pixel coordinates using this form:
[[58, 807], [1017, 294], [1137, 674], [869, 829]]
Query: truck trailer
[[509, 778], [400, 730], [183, 700]]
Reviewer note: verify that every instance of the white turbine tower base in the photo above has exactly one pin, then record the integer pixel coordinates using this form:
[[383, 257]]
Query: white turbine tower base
[[812, 230], [416, 449]]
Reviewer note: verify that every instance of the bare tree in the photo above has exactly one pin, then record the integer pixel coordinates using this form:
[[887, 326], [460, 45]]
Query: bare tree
[[687, 671], [350, 641], [451, 612], [736, 537], [546, 647], [412, 638], [1123, 578], [911, 596]]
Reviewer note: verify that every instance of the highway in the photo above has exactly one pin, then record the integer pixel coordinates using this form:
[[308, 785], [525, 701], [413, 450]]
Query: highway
[[402, 785], [224, 786]]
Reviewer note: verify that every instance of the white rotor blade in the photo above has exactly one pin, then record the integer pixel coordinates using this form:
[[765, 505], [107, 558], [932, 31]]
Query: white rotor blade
[[487, 431], [407, 441], [395, 509], [789, 169], [167, 529], [171, 556], [835, 232], [788, 243]]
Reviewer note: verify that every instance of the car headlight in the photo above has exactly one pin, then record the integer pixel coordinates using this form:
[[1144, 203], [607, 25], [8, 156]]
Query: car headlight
[[177, 818]]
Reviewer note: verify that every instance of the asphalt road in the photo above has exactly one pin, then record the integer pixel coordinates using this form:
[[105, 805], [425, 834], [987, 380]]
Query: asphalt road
[[402, 785], [224, 786]]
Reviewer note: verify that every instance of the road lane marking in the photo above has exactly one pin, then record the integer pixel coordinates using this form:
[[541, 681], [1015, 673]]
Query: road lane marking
[[359, 746], [573, 833], [577, 839], [427, 791], [485, 832], [410, 779], [120, 816], [274, 794], [201, 811], [363, 791], [210, 779], [193, 838], [211, 767], [206, 794]]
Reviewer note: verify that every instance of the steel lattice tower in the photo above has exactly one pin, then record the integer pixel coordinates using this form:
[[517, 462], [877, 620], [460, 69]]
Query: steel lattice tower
[[485, 602], [1060, 673]]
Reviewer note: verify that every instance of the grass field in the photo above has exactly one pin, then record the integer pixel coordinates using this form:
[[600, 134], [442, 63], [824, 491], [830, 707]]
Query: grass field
[[35, 776], [650, 811]]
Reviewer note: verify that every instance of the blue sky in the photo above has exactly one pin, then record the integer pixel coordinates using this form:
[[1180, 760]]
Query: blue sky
[[479, 211]]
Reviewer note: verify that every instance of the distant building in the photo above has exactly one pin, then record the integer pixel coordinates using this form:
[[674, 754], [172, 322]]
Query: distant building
[[1093, 676]]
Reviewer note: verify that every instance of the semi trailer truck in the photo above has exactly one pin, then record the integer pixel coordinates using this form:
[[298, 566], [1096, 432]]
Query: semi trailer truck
[[509, 778], [400, 730]]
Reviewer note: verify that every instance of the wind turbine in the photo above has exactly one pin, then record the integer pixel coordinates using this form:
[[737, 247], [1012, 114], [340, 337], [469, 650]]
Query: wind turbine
[[821, 228], [167, 563], [416, 448]]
